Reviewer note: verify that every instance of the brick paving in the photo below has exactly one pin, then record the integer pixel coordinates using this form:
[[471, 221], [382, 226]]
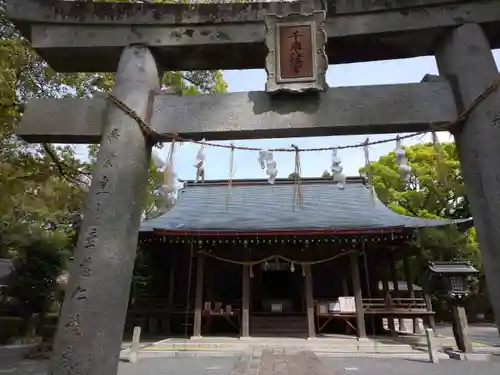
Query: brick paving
[[281, 362]]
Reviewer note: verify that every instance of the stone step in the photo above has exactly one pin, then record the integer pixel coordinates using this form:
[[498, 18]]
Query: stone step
[[319, 351], [293, 326]]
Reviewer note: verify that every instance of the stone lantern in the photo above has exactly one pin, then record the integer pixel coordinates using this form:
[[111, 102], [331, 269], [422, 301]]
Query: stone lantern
[[451, 278]]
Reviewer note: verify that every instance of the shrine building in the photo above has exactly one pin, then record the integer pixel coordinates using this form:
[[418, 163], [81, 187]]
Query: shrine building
[[305, 259]]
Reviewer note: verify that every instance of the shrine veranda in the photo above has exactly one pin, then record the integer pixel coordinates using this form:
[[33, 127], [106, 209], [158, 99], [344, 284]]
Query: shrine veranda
[[139, 41]]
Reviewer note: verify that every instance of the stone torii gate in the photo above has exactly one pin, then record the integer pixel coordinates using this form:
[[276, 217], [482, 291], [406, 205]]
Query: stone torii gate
[[139, 41]]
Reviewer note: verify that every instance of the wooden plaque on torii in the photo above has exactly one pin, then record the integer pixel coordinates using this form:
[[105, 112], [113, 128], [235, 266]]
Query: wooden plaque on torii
[[296, 61]]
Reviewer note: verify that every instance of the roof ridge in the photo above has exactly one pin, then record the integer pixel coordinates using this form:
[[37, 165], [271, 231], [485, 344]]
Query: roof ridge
[[279, 181]]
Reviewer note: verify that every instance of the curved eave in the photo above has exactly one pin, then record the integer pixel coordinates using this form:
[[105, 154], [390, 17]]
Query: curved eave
[[285, 232]]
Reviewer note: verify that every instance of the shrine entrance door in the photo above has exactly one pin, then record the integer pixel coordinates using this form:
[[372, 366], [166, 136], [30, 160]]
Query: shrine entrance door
[[278, 290]]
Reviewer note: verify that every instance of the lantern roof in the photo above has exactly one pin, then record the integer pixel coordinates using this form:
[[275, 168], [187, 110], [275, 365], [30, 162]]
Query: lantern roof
[[255, 206], [452, 268]]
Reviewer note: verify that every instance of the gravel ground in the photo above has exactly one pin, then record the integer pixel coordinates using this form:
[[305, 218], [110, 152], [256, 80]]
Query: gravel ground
[[360, 366]]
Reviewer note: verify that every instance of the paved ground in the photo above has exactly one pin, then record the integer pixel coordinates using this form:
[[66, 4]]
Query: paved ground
[[269, 363], [281, 363], [180, 366], [406, 367], [485, 333]]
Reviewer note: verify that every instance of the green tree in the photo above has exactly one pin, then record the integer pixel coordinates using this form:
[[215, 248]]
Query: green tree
[[34, 177], [436, 190], [43, 186], [40, 258], [326, 175]]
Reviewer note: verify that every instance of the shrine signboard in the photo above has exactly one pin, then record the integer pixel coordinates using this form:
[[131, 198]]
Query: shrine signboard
[[296, 60]]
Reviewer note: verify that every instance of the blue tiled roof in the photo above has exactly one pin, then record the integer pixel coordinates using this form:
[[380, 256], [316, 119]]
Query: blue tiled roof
[[256, 206]]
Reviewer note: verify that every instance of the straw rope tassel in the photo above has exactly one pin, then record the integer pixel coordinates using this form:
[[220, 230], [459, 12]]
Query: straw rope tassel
[[297, 192], [231, 175], [367, 167], [442, 175]]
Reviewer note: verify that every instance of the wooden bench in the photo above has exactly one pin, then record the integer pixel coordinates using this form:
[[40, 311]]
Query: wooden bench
[[390, 307], [396, 307], [323, 313]]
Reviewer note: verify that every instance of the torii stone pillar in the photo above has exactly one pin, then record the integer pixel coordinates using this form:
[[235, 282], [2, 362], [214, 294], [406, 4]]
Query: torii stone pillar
[[464, 57], [93, 315]]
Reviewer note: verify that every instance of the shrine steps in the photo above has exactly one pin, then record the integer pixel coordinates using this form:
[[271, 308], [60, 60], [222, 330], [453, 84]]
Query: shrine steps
[[279, 326]]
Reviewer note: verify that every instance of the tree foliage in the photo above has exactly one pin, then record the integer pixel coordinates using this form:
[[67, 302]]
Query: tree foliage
[[436, 190], [40, 258], [43, 186]]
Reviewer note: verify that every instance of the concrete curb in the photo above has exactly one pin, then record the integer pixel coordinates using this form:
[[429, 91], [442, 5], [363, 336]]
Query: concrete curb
[[124, 354], [408, 356], [473, 357], [170, 354]]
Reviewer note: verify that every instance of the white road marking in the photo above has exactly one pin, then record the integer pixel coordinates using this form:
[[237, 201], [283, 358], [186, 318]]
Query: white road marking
[[7, 371]]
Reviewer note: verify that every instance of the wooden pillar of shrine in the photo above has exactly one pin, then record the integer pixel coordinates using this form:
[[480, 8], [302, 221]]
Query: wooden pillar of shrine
[[395, 282], [411, 292], [198, 302], [245, 305], [309, 300], [387, 296], [170, 297], [345, 292], [358, 296]]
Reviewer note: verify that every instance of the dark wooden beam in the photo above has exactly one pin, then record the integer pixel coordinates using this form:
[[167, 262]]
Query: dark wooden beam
[[76, 37], [411, 292], [171, 291], [245, 306], [358, 296], [308, 284], [387, 296], [345, 292], [395, 283], [198, 304], [339, 111]]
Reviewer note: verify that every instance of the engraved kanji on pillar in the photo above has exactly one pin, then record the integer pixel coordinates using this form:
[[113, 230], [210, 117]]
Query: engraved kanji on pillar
[[296, 61]]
